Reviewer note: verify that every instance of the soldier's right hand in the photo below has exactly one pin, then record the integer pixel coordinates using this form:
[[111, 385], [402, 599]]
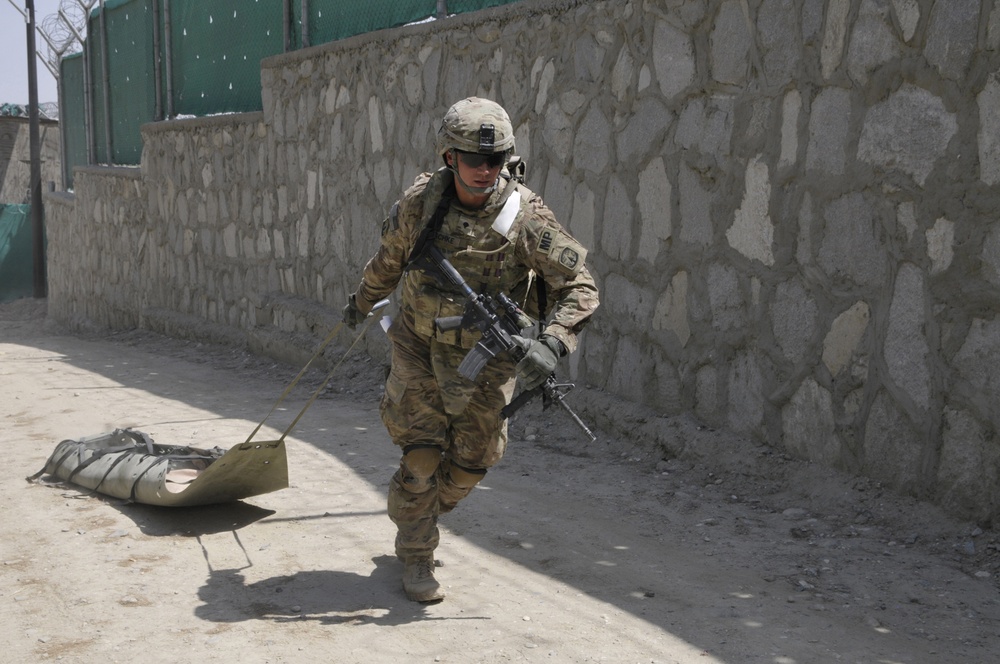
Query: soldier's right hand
[[540, 358], [352, 315]]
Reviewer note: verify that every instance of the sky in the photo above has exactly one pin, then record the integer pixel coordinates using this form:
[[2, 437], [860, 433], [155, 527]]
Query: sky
[[14, 66]]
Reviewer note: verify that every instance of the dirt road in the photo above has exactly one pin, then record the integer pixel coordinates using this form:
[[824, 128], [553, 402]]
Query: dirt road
[[566, 553]]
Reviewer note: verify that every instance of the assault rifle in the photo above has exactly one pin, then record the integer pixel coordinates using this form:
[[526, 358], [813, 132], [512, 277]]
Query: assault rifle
[[498, 319]]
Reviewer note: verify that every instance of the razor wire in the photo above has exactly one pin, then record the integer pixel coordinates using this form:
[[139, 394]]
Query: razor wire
[[62, 34]]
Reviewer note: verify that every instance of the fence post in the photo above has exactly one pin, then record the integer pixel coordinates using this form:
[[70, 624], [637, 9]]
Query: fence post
[[88, 102], [286, 17], [157, 59], [168, 56], [63, 140], [106, 75], [305, 23]]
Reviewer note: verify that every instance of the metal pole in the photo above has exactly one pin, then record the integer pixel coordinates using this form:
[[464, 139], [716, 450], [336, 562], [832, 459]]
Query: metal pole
[[168, 58], [63, 141], [56, 74], [157, 59], [105, 74], [305, 23], [88, 81], [88, 101], [34, 146], [286, 17]]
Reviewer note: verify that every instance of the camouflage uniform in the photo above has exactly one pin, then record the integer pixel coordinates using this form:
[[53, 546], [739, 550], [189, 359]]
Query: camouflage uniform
[[427, 404]]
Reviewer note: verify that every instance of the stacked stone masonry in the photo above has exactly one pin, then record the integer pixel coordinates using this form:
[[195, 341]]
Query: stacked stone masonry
[[792, 207], [15, 157]]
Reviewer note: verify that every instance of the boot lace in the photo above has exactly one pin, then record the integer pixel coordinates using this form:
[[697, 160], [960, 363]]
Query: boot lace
[[424, 569]]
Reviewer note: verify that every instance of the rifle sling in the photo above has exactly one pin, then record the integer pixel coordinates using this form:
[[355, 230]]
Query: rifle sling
[[433, 227], [519, 402]]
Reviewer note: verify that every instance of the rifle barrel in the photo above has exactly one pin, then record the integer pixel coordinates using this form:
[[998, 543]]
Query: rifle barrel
[[576, 418]]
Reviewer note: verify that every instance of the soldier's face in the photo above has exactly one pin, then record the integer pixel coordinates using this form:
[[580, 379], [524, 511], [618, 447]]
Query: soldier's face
[[478, 171]]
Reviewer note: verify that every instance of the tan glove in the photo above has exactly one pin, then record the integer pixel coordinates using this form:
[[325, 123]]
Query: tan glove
[[540, 358], [352, 315]]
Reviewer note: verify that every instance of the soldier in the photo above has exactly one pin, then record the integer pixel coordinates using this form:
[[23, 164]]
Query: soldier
[[501, 238]]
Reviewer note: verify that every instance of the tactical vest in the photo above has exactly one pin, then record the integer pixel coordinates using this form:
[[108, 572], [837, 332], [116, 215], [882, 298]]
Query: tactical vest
[[480, 244]]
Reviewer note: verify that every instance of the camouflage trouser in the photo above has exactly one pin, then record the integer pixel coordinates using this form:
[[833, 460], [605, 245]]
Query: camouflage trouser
[[428, 404]]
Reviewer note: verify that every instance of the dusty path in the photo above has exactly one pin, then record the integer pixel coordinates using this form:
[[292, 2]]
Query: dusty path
[[566, 554]]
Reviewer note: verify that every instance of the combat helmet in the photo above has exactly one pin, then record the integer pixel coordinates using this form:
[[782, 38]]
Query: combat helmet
[[476, 125]]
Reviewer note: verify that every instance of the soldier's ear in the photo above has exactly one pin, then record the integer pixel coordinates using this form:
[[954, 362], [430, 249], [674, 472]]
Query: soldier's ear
[[449, 158]]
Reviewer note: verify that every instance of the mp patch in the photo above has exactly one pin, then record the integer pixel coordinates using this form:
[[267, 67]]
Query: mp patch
[[546, 242]]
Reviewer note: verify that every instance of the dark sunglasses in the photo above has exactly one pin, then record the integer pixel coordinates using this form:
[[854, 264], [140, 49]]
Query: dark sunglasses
[[475, 160]]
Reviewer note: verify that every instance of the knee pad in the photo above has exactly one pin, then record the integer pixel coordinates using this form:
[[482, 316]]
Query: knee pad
[[455, 484], [421, 462], [464, 478]]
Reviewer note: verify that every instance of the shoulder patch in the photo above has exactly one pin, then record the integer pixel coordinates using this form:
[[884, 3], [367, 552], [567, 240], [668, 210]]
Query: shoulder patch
[[569, 258], [545, 241], [561, 250]]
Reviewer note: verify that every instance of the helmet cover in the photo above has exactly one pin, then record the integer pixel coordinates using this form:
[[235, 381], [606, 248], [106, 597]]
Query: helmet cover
[[475, 125]]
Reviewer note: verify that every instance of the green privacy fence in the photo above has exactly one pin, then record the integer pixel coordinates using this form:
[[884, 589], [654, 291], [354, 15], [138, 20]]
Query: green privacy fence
[[337, 19], [73, 110], [147, 60], [329, 21], [216, 49], [131, 92], [16, 268]]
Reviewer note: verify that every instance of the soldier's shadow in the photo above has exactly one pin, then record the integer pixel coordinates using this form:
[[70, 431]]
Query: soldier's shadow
[[325, 596]]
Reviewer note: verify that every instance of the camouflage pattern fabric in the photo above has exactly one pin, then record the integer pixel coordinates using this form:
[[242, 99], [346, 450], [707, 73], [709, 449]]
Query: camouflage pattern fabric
[[426, 401], [461, 124], [536, 242]]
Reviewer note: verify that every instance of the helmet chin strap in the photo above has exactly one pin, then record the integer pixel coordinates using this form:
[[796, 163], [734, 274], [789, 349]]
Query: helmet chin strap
[[479, 191]]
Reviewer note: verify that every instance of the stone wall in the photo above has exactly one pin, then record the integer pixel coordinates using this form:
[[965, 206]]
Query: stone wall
[[791, 205], [15, 155], [97, 243]]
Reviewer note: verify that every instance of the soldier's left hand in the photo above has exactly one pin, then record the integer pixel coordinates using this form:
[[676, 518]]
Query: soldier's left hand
[[540, 357], [352, 315]]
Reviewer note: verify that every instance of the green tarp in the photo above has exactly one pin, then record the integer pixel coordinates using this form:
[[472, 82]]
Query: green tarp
[[16, 274]]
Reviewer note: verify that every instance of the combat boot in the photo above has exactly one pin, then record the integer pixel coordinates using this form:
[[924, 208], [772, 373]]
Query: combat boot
[[418, 579]]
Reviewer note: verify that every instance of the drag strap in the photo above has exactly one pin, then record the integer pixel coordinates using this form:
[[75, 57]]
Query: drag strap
[[295, 381], [319, 390]]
